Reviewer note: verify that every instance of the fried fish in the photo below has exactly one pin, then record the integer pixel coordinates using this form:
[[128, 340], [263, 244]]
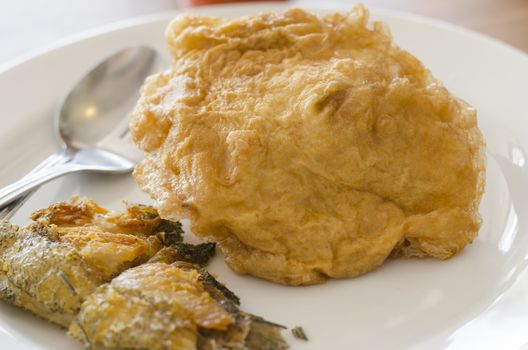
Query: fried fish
[[52, 265], [124, 280], [164, 305]]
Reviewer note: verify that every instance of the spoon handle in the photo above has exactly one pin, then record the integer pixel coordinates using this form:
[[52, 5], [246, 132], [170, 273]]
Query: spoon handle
[[93, 159], [15, 195]]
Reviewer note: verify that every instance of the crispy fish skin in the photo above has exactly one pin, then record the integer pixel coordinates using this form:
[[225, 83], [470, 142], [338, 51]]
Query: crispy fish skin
[[160, 305], [52, 265], [247, 331], [43, 275], [308, 146]]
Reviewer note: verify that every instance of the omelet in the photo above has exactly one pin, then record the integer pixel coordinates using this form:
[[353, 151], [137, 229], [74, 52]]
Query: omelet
[[308, 147]]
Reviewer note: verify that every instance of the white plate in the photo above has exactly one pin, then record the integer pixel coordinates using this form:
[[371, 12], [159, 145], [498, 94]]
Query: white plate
[[478, 299]]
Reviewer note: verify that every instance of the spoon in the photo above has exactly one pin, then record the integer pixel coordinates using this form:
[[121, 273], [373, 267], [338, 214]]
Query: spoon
[[91, 124]]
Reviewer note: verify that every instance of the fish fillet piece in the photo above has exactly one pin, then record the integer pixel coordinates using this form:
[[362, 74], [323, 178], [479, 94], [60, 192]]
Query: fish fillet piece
[[159, 305], [53, 264], [124, 280], [308, 146]]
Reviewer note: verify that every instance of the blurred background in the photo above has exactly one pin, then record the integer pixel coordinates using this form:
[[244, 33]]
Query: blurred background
[[27, 25]]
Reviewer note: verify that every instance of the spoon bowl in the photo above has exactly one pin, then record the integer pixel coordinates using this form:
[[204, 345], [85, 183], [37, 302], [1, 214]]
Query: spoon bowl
[[90, 124], [99, 101]]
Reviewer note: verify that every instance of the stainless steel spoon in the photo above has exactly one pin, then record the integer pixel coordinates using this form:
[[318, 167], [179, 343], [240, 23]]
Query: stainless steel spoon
[[91, 117]]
